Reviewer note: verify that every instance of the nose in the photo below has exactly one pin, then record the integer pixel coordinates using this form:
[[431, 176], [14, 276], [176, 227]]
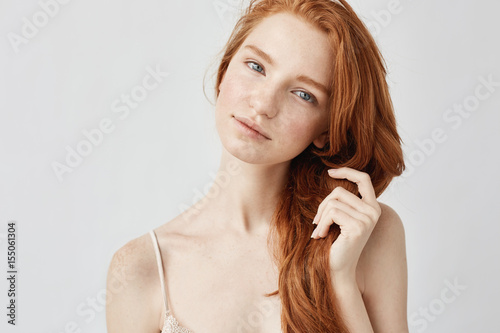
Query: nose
[[264, 99]]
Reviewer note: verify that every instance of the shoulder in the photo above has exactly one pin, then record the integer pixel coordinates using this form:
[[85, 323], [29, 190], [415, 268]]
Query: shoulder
[[386, 244], [388, 228], [132, 283], [384, 273], [135, 259]]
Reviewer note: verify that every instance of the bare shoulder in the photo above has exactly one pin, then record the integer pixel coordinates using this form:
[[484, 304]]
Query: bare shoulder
[[133, 290], [135, 259], [388, 228], [386, 242], [383, 267]]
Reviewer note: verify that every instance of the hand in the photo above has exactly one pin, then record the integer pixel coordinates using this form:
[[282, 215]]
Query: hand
[[356, 218]]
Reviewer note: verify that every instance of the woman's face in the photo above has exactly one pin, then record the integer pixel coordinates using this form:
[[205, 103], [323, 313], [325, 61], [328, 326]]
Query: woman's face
[[275, 81]]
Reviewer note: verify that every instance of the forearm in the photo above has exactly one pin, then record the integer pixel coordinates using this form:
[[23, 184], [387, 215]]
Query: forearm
[[351, 305]]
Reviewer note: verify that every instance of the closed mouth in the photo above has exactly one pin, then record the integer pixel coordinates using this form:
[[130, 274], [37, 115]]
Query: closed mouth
[[252, 125]]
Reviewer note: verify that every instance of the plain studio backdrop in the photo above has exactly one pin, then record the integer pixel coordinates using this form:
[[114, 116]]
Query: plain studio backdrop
[[106, 134]]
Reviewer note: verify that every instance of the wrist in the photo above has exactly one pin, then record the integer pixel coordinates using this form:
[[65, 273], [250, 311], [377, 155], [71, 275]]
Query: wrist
[[344, 282], [343, 277]]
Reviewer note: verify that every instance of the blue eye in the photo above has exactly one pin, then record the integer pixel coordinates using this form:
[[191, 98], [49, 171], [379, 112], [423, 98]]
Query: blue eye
[[256, 67], [309, 98], [306, 97]]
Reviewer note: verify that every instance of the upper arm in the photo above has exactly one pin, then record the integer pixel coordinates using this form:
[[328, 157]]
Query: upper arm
[[384, 268], [130, 303]]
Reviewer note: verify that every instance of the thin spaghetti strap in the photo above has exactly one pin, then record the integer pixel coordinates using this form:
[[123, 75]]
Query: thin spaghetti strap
[[160, 267]]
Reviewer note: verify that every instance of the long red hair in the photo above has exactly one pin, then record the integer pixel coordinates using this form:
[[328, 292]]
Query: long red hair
[[362, 135]]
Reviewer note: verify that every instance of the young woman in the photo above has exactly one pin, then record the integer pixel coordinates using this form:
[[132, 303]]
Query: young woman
[[291, 237]]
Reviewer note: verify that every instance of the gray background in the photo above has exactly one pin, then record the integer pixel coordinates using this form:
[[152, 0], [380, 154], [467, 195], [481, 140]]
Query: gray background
[[65, 78]]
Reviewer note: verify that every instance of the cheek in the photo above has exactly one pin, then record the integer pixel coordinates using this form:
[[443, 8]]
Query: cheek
[[233, 89], [296, 134], [301, 128], [231, 99]]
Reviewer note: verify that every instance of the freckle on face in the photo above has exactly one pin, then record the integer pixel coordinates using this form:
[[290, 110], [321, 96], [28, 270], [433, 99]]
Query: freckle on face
[[292, 129]]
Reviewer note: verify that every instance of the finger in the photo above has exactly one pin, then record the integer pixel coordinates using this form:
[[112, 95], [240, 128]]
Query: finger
[[332, 210], [362, 179], [332, 216], [321, 208], [344, 200], [341, 194], [345, 196]]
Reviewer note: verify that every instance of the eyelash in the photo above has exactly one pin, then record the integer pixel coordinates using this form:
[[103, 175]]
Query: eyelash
[[312, 100]]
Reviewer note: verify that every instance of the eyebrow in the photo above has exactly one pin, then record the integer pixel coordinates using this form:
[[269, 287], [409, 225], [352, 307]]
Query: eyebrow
[[303, 78]]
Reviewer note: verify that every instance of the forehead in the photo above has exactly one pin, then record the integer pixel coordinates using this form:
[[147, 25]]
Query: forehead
[[294, 44]]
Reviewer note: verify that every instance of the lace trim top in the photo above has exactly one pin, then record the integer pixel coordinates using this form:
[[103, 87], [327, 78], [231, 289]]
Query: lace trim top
[[170, 325]]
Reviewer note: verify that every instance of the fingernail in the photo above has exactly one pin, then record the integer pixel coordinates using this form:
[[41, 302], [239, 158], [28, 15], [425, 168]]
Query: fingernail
[[314, 232], [331, 170]]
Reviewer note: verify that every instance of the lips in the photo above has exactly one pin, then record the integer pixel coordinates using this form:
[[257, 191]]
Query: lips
[[250, 123]]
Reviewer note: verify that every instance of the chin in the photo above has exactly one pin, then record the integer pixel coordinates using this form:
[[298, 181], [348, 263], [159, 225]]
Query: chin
[[248, 154], [245, 154]]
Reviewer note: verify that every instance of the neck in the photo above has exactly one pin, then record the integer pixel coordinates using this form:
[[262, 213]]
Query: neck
[[246, 193]]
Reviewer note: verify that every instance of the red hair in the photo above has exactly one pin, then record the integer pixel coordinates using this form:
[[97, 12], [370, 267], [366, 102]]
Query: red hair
[[362, 135]]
